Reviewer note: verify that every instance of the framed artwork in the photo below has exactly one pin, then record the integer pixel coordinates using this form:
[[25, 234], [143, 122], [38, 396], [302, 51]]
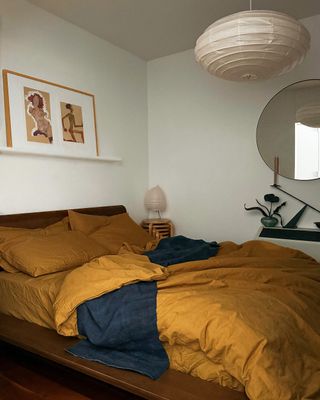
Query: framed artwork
[[48, 118]]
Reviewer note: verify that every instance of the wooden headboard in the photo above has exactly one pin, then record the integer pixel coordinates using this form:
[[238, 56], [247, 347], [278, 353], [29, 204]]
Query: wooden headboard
[[45, 218]]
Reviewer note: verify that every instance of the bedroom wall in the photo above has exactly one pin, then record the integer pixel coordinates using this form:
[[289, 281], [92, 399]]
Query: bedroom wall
[[202, 145], [39, 44]]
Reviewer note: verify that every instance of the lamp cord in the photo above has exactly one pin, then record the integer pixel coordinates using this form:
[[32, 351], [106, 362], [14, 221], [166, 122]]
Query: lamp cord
[[250, 5]]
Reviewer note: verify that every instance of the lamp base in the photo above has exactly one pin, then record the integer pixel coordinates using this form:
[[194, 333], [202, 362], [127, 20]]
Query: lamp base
[[159, 228]]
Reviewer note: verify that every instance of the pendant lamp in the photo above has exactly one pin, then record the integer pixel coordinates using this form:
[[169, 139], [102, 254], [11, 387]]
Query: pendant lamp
[[252, 45], [309, 115]]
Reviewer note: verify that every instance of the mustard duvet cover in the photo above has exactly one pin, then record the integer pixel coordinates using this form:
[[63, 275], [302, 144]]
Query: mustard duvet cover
[[248, 318]]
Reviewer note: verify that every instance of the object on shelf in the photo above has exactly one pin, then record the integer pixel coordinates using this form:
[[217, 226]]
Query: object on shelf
[[32, 122], [269, 213], [295, 219], [158, 228], [269, 221]]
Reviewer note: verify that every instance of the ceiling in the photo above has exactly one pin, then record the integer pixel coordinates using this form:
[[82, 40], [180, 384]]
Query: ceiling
[[156, 28]]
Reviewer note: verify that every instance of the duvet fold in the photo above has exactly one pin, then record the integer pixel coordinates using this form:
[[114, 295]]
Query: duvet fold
[[101, 275]]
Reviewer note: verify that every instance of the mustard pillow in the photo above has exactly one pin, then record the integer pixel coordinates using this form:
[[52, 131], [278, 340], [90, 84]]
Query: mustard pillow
[[86, 223], [39, 255], [9, 233], [112, 232], [60, 226], [7, 267]]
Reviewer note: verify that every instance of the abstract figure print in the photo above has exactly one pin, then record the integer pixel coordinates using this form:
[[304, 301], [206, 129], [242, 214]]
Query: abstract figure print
[[72, 123], [37, 111]]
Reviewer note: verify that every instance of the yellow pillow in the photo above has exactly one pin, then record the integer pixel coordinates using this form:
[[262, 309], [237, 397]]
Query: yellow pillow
[[39, 255], [7, 267], [86, 223], [60, 226], [112, 232], [9, 233]]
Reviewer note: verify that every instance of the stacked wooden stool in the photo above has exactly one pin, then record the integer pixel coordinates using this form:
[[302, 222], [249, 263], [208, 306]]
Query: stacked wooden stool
[[159, 228]]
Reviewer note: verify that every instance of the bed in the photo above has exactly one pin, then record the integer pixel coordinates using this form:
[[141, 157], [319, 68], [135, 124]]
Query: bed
[[173, 384]]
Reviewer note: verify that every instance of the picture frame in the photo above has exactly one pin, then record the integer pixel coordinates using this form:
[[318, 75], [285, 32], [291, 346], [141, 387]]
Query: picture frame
[[47, 118]]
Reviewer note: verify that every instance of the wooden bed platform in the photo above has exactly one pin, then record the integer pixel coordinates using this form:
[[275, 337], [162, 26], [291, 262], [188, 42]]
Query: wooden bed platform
[[47, 344]]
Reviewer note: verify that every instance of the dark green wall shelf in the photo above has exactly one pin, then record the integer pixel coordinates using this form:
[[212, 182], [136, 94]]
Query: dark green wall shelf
[[308, 235]]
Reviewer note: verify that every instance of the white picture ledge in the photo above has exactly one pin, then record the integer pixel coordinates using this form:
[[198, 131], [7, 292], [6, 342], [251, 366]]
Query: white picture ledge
[[9, 150]]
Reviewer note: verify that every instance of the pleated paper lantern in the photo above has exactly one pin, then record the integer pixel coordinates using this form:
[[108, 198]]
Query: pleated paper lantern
[[252, 45], [155, 199], [309, 115]]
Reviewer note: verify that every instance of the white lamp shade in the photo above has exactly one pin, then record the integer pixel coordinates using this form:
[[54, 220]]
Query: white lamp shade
[[155, 199], [252, 45], [309, 115]]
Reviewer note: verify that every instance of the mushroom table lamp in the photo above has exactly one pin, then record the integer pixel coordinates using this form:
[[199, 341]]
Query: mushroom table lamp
[[155, 200]]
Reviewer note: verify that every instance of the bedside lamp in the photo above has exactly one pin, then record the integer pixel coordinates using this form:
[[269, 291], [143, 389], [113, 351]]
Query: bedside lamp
[[155, 200]]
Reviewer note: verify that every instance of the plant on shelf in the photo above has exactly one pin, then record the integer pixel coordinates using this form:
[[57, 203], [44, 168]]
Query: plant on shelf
[[269, 213]]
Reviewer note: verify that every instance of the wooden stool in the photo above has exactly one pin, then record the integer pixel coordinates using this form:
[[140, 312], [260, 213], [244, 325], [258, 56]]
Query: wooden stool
[[158, 228]]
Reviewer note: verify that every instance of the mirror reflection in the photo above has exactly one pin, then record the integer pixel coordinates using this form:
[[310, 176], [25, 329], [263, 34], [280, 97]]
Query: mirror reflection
[[289, 128]]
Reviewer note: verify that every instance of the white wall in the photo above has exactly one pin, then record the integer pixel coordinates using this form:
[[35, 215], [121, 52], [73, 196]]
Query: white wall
[[202, 145], [39, 44], [202, 148]]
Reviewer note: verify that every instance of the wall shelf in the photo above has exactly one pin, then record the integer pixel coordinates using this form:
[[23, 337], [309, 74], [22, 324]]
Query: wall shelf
[[307, 235], [306, 240], [8, 150]]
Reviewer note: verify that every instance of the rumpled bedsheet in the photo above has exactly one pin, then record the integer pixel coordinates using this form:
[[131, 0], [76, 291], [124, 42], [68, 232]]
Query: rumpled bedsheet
[[248, 318], [179, 249]]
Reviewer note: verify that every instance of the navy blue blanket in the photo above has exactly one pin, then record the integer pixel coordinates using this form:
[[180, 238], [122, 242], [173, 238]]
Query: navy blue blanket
[[121, 326], [179, 249]]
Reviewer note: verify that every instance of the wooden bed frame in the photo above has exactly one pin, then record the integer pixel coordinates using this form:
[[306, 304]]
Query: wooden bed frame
[[47, 344]]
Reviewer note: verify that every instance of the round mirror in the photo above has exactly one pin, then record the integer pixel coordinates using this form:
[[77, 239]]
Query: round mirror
[[289, 128]]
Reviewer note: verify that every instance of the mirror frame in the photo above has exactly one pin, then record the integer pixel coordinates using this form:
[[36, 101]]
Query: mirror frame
[[286, 87]]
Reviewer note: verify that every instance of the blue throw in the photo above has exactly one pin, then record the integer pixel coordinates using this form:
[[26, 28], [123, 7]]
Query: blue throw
[[179, 249], [121, 328]]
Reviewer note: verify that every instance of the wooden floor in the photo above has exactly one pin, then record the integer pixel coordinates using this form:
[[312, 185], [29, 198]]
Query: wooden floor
[[24, 376]]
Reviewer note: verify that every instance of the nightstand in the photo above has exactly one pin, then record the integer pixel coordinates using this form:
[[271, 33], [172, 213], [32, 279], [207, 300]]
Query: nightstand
[[158, 228]]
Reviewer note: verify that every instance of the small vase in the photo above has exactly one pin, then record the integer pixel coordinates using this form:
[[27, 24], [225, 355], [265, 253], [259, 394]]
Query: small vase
[[269, 222]]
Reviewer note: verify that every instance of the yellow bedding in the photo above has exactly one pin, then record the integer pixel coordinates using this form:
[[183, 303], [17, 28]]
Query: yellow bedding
[[249, 317], [28, 298]]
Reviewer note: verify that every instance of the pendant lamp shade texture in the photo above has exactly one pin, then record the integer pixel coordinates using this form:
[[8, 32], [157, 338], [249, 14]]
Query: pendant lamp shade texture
[[252, 45], [309, 115], [155, 199]]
